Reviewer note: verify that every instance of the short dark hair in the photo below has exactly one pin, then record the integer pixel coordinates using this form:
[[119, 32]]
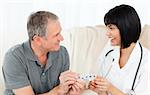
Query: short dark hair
[[128, 22], [37, 23]]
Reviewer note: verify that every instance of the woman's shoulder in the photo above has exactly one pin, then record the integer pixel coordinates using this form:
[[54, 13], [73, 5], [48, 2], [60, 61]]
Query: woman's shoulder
[[146, 52], [145, 58]]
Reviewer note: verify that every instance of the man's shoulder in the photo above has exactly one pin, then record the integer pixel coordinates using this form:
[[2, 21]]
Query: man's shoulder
[[15, 49], [63, 49], [13, 56]]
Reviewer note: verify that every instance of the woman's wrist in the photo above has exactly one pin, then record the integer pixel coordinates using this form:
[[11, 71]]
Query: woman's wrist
[[110, 88], [113, 90]]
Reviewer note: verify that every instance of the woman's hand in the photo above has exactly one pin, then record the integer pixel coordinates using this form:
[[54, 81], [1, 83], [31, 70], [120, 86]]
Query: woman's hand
[[99, 85]]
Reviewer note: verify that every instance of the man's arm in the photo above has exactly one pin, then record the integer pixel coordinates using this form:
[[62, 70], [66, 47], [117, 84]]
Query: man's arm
[[24, 91], [66, 78], [29, 91]]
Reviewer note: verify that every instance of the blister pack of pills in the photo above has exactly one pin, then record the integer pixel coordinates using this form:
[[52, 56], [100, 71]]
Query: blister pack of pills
[[87, 77]]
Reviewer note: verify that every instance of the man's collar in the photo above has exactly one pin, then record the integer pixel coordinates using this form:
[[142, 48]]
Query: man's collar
[[28, 51]]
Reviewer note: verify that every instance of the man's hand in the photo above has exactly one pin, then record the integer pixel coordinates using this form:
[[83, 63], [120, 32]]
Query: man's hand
[[67, 79], [77, 88]]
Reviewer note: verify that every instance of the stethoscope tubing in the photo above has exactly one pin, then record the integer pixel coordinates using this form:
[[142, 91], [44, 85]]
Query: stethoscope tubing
[[132, 88]]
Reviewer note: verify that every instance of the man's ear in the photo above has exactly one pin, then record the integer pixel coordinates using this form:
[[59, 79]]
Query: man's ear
[[37, 39]]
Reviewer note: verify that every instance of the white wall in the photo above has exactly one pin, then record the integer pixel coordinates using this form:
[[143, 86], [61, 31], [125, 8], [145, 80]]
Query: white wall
[[71, 12]]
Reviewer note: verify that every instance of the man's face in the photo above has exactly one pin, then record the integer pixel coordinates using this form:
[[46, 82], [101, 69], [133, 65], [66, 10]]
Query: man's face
[[51, 42]]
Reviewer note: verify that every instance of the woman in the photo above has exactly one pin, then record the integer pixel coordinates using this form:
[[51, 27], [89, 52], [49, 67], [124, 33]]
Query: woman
[[124, 60]]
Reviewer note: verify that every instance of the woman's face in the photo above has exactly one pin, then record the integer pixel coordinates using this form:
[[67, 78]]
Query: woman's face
[[114, 35]]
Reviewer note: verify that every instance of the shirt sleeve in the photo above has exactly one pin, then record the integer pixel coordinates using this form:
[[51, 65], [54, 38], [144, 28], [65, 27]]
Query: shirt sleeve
[[66, 61], [14, 72]]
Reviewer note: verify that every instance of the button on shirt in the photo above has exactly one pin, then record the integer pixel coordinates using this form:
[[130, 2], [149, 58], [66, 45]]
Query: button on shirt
[[21, 68]]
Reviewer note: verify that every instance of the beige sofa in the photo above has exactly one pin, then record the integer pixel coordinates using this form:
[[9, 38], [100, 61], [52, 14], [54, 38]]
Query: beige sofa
[[84, 45]]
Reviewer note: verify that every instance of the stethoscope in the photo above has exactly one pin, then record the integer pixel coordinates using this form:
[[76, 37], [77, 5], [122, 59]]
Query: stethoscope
[[133, 84]]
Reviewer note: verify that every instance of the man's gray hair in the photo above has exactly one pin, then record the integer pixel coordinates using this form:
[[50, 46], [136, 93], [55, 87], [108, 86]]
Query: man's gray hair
[[37, 23]]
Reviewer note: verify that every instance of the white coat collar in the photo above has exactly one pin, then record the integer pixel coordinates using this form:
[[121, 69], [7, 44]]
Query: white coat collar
[[135, 56], [133, 59]]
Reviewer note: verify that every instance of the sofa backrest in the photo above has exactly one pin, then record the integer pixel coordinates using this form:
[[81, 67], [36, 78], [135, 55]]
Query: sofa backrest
[[145, 36], [84, 45]]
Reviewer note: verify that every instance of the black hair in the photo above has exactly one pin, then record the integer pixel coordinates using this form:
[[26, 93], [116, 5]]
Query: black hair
[[127, 21]]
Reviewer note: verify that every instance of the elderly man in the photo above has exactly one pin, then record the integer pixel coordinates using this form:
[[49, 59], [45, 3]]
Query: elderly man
[[40, 65]]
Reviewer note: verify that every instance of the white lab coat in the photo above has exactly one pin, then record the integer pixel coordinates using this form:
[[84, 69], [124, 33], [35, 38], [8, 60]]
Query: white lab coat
[[123, 78]]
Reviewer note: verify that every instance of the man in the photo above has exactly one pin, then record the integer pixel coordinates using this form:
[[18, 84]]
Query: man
[[40, 65]]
